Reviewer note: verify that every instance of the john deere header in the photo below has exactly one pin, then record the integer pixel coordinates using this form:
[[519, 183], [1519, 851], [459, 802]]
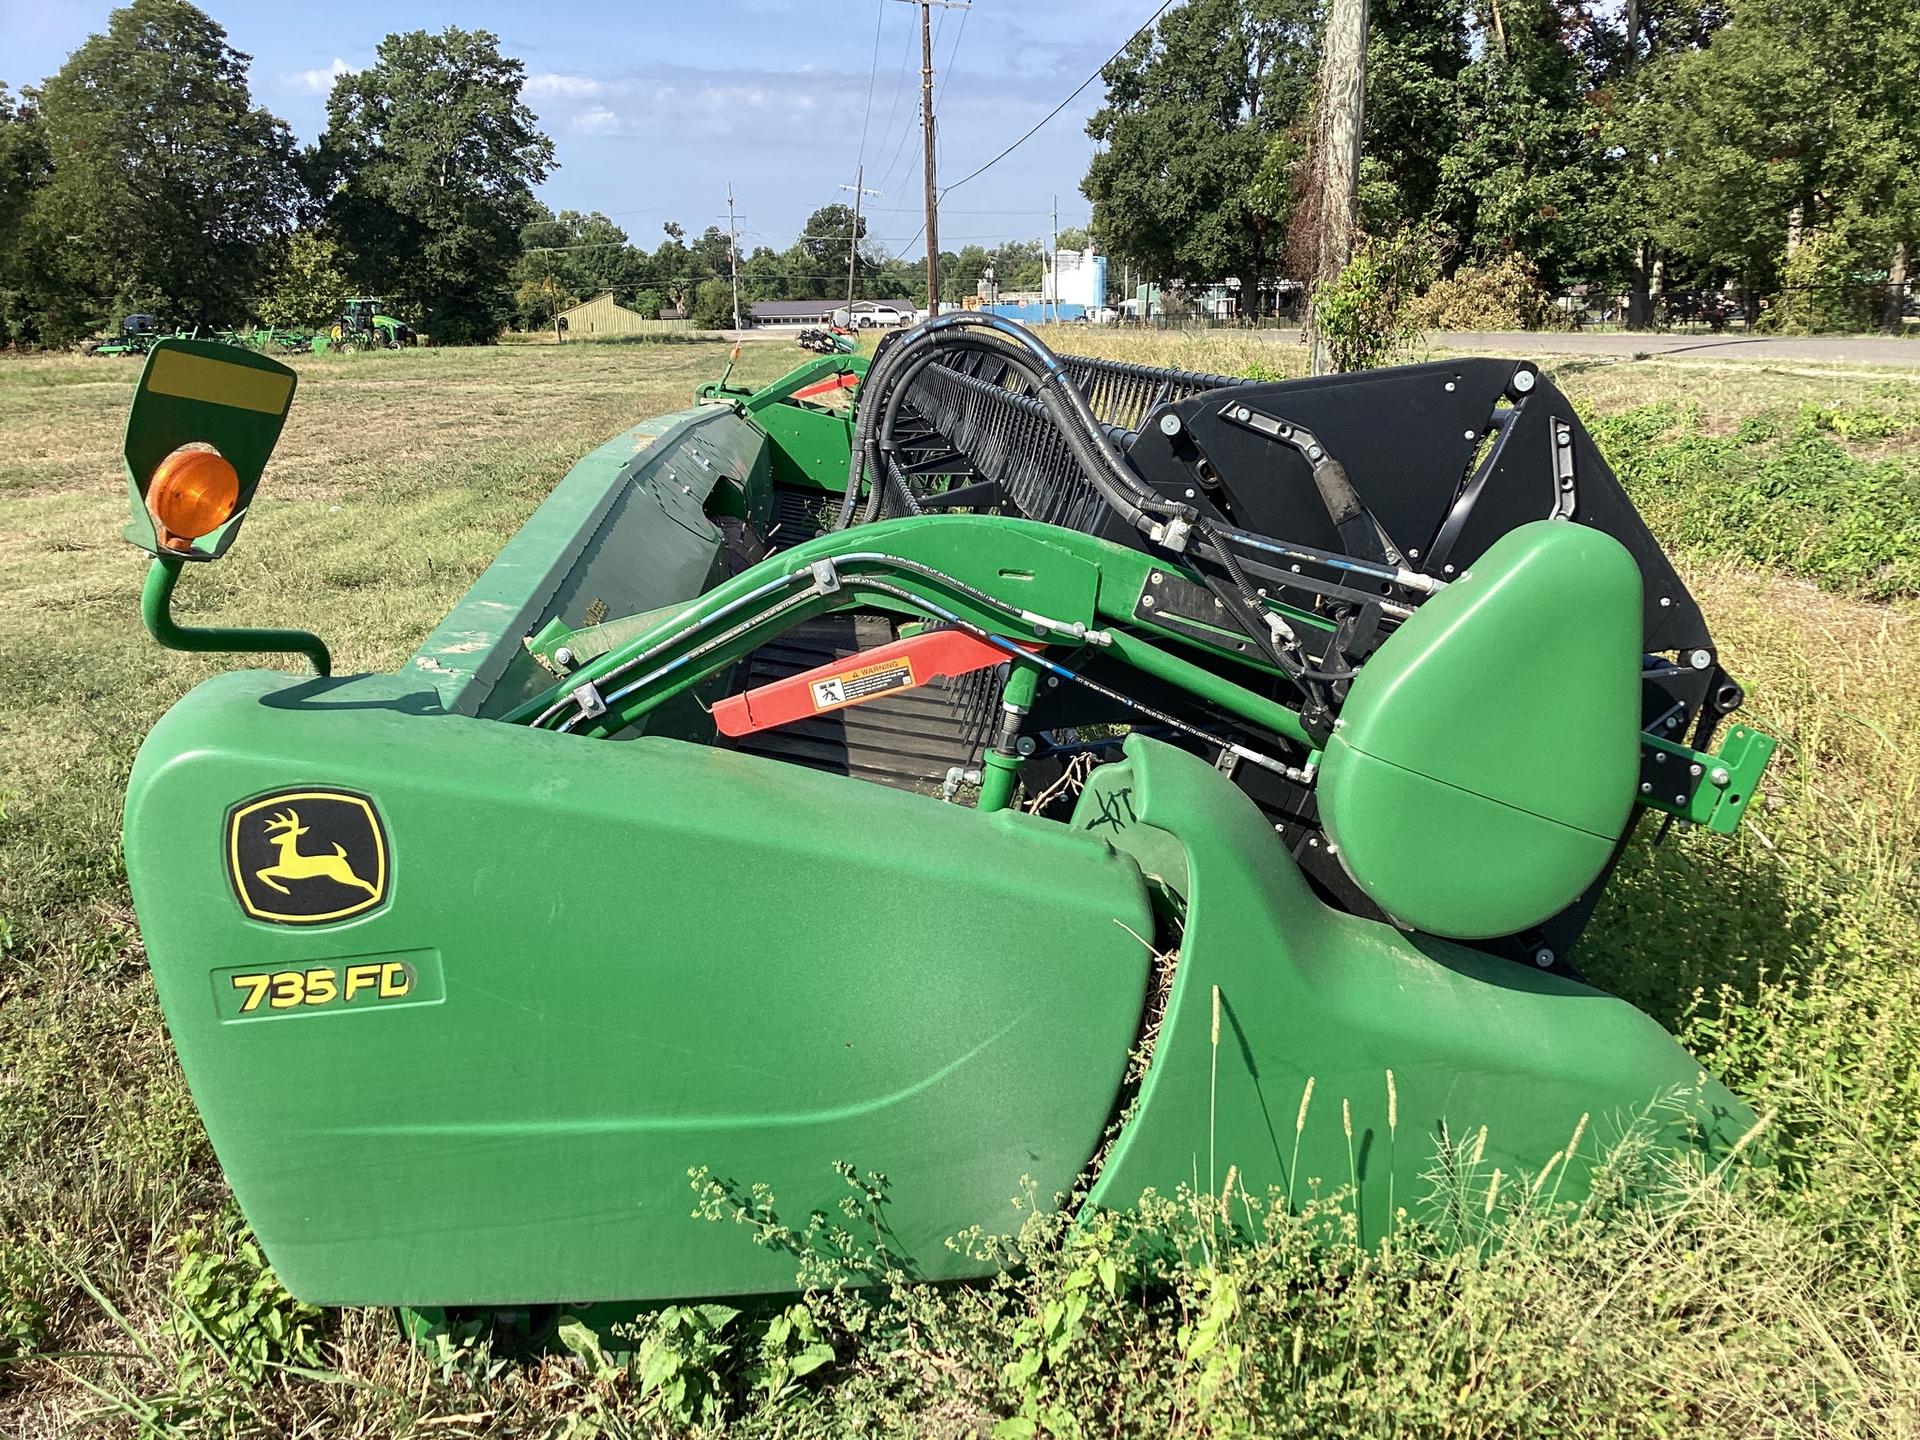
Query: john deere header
[[817, 775]]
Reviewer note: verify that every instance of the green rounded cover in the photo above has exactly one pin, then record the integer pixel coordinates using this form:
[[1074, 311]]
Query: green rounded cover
[[1483, 766]]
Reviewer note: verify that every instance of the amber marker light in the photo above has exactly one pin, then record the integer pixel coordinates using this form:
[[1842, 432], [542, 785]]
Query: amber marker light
[[193, 492]]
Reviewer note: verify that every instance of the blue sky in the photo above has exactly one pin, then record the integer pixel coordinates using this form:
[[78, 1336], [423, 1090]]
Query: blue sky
[[653, 107]]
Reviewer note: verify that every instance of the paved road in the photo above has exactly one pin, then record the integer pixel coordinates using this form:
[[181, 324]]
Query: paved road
[[1876, 350], [1873, 350]]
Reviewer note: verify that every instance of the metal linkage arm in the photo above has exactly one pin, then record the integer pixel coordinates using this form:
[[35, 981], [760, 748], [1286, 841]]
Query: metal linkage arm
[[1007, 581]]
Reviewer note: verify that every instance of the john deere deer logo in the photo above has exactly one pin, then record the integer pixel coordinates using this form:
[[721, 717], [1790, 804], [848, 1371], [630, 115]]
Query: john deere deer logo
[[301, 857]]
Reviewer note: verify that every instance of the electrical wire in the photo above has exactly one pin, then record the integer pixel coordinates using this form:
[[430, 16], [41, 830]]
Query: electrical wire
[[975, 174], [873, 68]]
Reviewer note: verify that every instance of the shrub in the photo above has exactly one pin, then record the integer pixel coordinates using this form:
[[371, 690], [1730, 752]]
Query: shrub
[[713, 305], [1818, 292], [1504, 295], [1363, 315]]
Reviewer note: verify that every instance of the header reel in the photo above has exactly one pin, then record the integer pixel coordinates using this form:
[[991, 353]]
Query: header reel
[[1410, 611]]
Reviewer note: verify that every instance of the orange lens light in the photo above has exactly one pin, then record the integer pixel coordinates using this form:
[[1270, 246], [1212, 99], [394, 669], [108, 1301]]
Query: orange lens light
[[193, 492]]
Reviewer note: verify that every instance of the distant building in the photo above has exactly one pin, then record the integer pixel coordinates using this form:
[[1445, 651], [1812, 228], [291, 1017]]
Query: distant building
[[797, 314], [1075, 277], [601, 318]]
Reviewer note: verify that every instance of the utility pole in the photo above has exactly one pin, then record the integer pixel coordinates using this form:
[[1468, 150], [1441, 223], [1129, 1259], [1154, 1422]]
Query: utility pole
[[926, 140], [1056, 259], [1335, 176], [733, 256], [853, 240]]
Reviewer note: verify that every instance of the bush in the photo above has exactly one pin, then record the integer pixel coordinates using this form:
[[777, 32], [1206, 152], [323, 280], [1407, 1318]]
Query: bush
[[1818, 292], [1504, 295], [1363, 315]]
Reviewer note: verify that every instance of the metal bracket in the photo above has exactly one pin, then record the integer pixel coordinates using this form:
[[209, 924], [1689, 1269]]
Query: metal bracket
[[1704, 789], [587, 697], [1565, 497], [1178, 605]]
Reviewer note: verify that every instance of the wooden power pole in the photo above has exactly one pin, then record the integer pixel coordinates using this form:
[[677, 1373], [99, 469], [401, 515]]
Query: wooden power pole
[[733, 256], [1339, 112], [853, 240], [926, 140]]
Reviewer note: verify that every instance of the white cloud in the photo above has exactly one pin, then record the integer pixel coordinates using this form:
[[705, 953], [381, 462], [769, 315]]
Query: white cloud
[[320, 82], [597, 121], [569, 86]]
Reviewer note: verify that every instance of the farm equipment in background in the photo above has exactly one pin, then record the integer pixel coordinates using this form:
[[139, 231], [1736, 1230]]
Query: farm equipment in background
[[274, 340], [364, 325], [1303, 724], [828, 340], [138, 333]]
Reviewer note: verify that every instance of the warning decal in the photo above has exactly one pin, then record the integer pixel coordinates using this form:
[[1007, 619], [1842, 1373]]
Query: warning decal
[[850, 687]]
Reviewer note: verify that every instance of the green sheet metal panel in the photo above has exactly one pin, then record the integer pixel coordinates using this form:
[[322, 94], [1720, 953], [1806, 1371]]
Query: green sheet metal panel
[[1485, 762], [1312, 996], [624, 531], [615, 962]]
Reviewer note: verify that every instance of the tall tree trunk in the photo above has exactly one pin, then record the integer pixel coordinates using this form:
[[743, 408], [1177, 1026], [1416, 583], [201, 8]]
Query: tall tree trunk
[[1890, 314], [1656, 288], [1334, 173], [1640, 297]]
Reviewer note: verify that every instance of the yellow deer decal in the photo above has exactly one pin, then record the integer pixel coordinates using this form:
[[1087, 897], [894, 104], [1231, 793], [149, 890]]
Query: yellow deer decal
[[292, 865]]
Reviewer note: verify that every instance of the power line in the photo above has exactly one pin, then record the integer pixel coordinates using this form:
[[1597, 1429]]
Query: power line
[[873, 69], [947, 74], [893, 111], [1164, 7]]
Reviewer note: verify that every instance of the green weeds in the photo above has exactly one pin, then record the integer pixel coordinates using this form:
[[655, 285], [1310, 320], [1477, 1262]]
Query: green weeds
[[1792, 494]]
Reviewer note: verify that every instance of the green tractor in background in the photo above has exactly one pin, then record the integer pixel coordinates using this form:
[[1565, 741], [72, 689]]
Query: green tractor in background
[[364, 325]]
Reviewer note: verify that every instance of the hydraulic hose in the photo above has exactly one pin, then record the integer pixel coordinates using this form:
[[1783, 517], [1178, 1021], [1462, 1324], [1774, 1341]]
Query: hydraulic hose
[[889, 382], [1066, 406]]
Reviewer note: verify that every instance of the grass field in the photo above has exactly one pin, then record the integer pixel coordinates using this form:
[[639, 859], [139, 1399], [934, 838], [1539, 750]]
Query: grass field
[[1780, 1303]]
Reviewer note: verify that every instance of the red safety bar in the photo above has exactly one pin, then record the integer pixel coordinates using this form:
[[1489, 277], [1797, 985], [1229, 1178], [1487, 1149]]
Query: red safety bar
[[883, 670], [826, 387]]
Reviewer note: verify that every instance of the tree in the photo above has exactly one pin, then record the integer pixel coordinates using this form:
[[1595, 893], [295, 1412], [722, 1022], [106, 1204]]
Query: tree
[[1191, 109], [824, 242], [712, 305], [24, 167], [1416, 50], [676, 269], [1525, 174], [167, 183], [308, 285], [1795, 123], [568, 257], [433, 158]]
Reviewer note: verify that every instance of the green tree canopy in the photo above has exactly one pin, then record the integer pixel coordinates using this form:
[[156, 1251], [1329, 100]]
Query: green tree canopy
[[432, 159], [570, 257], [167, 182], [24, 167], [1192, 108], [1798, 120]]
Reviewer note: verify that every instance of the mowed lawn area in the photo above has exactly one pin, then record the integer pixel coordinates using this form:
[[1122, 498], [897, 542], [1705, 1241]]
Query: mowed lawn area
[[1780, 1302]]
